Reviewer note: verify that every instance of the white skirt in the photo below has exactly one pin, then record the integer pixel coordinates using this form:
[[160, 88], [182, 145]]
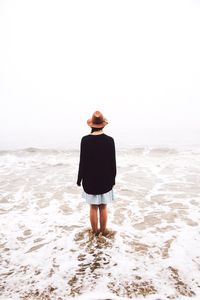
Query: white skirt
[[99, 199]]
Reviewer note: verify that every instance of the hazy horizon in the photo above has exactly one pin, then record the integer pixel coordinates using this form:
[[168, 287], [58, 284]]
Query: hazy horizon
[[136, 61]]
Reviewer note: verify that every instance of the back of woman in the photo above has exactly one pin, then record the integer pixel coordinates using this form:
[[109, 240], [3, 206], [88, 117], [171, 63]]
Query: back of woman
[[98, 166], [97, 170]]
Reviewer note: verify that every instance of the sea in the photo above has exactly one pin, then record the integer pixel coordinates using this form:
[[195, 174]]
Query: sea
[[151, 251]]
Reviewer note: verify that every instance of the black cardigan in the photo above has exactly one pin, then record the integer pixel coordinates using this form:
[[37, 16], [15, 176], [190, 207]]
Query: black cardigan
[[97, 166]]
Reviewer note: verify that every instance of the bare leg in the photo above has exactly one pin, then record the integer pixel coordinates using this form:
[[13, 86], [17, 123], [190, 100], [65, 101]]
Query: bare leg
[[94, 217], [103, 217]]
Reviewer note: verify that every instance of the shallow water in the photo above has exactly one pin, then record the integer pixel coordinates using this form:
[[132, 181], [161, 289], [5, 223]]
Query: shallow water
[[48, 252]]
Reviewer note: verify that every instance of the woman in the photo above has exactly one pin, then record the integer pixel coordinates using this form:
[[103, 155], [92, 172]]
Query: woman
[[97, 171]]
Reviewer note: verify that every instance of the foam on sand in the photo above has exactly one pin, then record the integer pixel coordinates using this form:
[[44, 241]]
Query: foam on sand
[[47, 250]]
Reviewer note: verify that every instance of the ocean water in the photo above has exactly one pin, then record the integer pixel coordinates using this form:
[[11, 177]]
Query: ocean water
[[152, 251]]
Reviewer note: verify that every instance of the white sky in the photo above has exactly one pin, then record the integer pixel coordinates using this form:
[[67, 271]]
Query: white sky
[[136, 61]]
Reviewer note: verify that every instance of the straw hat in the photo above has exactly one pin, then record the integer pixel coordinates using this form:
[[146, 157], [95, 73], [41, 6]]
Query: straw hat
[[97, 120]]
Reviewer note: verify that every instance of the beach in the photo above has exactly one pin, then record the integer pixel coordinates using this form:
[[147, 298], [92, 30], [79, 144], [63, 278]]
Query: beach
[[152, 250]]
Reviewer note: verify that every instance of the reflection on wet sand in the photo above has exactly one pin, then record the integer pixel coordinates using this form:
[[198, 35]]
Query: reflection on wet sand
[[93, 259]]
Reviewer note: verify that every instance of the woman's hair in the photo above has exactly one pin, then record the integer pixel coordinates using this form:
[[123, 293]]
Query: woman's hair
[[96, 129]]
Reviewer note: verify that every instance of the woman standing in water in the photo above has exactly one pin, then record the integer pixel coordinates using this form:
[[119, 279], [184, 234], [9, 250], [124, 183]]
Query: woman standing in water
[[97, 171]]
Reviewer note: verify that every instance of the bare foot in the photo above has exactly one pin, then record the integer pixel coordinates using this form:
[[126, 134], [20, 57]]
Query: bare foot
[[96, 233], [105, 232]]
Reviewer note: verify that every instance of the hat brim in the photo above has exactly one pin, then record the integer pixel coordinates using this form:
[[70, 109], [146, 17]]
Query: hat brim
[[93, 125]]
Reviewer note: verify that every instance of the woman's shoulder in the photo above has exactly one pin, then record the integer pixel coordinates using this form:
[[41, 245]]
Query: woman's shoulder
[[90, 136], [109, 137], [85, 138]]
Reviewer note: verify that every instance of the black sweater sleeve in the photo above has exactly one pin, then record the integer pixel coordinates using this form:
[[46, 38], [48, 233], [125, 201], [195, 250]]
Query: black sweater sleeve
[[114, 168], [81, 164]]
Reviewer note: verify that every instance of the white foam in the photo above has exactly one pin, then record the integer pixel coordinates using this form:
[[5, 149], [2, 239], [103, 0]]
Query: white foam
[[155, 216]]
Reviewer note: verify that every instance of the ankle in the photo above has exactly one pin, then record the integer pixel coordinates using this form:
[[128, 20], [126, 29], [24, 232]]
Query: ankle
[[104, 231]]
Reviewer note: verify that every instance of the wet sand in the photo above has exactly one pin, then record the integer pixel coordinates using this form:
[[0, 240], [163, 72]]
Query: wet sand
[[47, 250]]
